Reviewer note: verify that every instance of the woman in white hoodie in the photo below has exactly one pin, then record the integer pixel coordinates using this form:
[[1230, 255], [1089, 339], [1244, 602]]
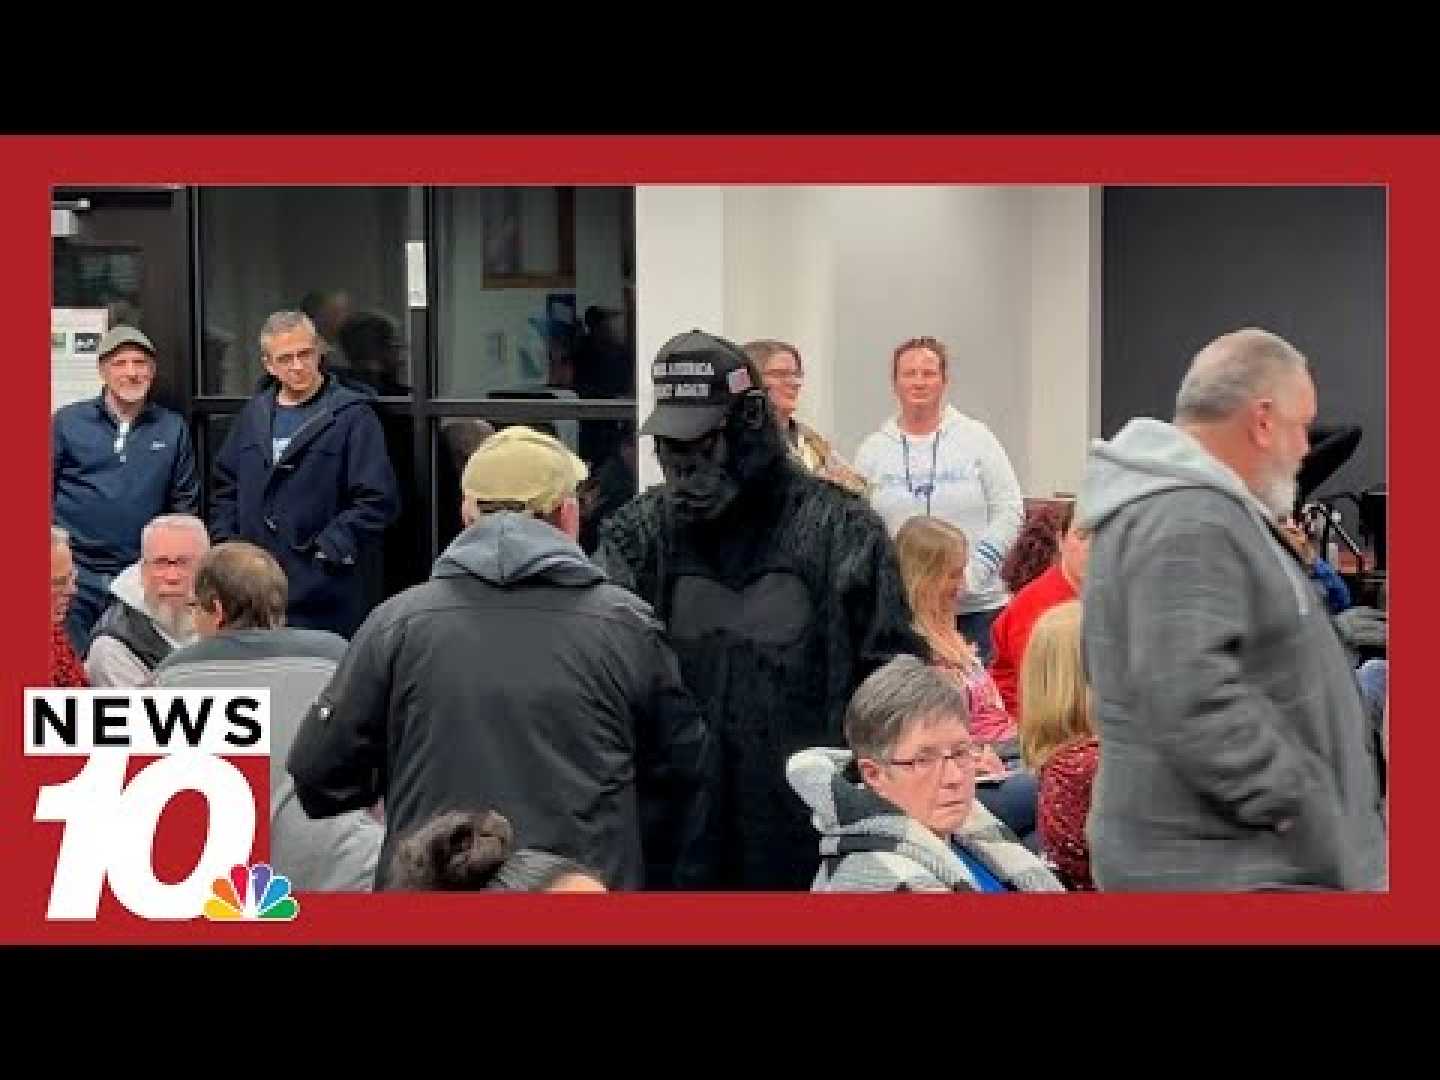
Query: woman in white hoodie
[[932, 459]]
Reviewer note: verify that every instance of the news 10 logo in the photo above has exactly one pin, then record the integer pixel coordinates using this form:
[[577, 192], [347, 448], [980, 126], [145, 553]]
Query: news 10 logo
[[110, 826]]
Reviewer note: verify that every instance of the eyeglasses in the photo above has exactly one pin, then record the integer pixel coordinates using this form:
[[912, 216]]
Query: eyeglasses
[[296, 359], [927, 761]]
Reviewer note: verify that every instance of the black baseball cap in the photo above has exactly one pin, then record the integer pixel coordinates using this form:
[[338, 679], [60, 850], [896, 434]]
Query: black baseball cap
[[697, 377]]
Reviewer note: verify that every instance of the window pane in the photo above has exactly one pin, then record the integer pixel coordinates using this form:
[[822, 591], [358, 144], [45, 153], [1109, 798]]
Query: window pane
[[216, 429], [537, 292], [606, 446], [94, 276], [404, 560], [337, 253]]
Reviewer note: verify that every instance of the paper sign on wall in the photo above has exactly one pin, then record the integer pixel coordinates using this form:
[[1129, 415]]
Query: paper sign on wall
[[75, 335], [415, 274]]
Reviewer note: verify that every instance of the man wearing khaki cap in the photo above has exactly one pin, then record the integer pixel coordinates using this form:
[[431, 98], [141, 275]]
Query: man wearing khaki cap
[[518, 679], [117, 461]]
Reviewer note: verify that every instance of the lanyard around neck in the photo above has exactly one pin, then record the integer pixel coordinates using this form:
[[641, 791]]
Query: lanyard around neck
[[926, 489]]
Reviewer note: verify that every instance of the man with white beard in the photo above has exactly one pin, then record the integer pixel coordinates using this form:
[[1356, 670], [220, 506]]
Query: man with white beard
[[153, 609], [1234, 751]]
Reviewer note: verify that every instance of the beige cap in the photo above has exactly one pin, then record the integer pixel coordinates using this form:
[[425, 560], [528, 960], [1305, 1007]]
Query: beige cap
[[522, 465]]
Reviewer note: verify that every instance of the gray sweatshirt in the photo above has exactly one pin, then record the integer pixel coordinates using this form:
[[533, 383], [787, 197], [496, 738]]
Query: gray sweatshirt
[[336, 854], [1233, 740]]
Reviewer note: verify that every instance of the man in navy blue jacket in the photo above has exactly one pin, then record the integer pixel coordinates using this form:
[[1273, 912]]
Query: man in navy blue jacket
[[304, 474], [117, 461]]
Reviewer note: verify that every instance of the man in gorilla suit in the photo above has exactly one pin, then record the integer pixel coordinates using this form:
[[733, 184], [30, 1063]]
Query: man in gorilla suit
[[780, 592]]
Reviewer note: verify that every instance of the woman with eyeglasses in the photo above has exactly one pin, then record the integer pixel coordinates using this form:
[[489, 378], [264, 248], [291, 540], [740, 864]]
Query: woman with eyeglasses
[[897, 812], [932, 459], [932, 555], [783, 373]]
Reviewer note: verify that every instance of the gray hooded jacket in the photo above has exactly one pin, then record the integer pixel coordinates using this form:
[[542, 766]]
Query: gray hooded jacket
[[1233, 741], [336, 854], [868, 845]]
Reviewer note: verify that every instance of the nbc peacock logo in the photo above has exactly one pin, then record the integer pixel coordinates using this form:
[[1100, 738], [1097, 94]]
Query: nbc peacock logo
[[251, 894]]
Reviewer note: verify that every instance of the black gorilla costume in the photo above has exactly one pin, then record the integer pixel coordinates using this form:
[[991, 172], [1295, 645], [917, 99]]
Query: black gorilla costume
[[780, 592]]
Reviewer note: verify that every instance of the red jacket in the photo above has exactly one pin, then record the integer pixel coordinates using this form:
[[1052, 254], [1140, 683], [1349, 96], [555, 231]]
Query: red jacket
[[1066, 781], [1011, 631], [65, 666]]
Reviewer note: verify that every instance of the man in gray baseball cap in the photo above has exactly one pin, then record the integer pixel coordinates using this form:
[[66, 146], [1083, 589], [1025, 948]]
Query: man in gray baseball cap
[[117, 336], [118, 460]]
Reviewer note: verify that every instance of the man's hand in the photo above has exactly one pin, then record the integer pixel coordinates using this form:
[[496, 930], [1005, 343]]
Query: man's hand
[[1299, 542]]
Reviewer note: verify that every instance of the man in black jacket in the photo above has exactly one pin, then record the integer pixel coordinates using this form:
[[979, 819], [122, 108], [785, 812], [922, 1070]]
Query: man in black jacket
[[518, 679], [305, 475]]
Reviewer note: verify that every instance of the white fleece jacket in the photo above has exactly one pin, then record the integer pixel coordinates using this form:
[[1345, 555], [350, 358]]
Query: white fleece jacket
[[964, 476]]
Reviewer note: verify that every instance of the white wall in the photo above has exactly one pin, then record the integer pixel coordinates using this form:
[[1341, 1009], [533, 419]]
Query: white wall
[[1097, 262], [679, 282], [950, 262], [1063, 350], [1006, 276], [780, 282]]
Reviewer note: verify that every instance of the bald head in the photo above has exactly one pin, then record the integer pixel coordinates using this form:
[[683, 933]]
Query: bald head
[[1235, 370], [1249, 400]]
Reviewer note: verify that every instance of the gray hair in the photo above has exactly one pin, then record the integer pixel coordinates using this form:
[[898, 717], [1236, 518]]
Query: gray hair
[[896, 695], [282, 322], [59, 537], [1232, 370], [175, 521]]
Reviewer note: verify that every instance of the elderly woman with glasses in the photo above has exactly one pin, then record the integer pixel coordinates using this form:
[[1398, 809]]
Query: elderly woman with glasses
[[897, 811], [783, 373], [933, 558]]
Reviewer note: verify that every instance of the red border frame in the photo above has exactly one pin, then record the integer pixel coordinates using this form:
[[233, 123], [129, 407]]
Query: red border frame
[[1410, 166]]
